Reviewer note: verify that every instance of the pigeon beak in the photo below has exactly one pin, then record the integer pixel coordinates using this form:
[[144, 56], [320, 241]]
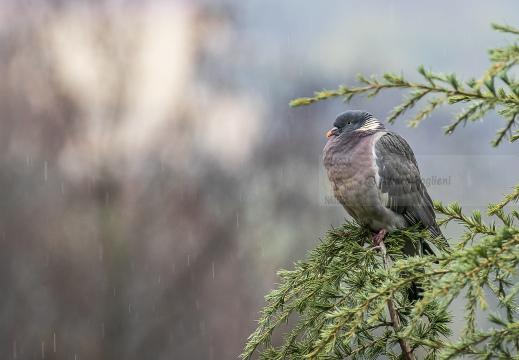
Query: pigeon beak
[[331, 132]]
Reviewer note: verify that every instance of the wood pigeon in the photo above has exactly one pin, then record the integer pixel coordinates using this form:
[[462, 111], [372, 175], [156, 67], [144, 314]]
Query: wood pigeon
[[374, 175]]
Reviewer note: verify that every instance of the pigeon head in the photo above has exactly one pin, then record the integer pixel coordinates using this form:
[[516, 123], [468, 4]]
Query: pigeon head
[[352, 120]]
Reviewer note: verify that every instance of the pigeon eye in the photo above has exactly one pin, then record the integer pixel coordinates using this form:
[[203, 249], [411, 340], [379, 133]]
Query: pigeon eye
[[349, 122]]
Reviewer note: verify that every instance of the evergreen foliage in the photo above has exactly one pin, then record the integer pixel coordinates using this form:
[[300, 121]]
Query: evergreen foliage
[[347, 300], [482, 95]]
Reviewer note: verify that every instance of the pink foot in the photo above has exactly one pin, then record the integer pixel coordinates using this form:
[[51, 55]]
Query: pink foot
[[378, 238]]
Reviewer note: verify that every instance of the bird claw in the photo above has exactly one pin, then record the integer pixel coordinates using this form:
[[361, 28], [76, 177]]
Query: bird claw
[[378, 238]]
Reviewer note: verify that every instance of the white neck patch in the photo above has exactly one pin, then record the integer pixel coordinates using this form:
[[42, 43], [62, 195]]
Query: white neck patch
[[371, 124]]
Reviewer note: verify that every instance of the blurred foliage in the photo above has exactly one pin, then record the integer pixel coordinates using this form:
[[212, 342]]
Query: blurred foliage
[[343, 296], [118, 233]]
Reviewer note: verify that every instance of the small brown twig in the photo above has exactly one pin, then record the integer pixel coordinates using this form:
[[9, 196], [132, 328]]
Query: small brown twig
[[406, 349]]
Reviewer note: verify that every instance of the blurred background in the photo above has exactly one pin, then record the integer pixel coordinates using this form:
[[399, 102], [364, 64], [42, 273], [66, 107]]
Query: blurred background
[[153, 177]]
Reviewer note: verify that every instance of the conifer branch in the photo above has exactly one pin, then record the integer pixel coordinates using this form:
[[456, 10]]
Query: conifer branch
[[495, 208], [505, 29], [482, 95]]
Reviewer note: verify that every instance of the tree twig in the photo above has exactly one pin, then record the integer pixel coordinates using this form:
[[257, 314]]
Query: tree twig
[[406, 349]]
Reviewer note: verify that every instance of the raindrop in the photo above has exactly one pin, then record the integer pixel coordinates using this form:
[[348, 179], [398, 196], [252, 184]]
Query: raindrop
[[14, 349], [237, 220], [43, 350], [103, 330], [267, 90], [45, 171], [130, 308], [213, 268], [202, 328], [54, 342], [188, 260]]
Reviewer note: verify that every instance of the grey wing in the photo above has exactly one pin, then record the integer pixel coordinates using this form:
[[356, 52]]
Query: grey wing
[[401, 188]]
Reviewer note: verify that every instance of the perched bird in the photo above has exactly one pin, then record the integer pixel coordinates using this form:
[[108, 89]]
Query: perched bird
[[374, 175]]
